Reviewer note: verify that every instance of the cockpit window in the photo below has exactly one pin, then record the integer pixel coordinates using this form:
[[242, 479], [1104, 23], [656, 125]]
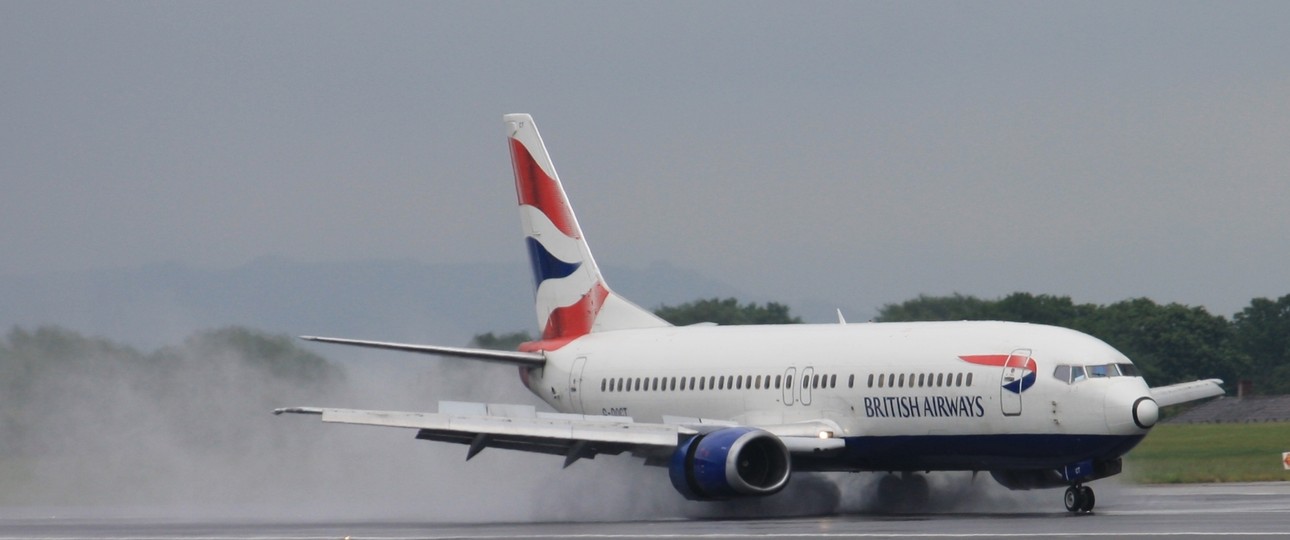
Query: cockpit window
[[1074, 374], [1062, 373]]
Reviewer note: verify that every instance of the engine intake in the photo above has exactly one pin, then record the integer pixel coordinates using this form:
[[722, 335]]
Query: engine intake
[[729, 463]]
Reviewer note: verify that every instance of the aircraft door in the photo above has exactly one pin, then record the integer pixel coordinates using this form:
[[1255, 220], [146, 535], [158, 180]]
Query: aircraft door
[[805, 385], [789, 386], [1013, 381], [575, 384]]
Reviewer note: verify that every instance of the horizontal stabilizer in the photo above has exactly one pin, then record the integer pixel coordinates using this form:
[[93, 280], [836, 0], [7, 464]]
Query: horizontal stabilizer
[[1188, 391], [514, 358]]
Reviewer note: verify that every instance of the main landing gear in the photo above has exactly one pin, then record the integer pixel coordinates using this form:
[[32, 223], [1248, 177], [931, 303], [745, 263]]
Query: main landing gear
[[906, 492], [1080, 499]]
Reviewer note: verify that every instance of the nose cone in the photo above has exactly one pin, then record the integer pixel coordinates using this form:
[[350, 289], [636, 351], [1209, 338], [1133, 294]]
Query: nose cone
[[1145, 412], [1130, 410]]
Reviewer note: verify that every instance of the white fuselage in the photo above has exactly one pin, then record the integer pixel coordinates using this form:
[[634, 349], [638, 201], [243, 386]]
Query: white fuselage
[[904, 387]]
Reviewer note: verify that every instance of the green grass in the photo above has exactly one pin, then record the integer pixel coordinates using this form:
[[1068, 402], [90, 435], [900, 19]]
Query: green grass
[[1191, 453]]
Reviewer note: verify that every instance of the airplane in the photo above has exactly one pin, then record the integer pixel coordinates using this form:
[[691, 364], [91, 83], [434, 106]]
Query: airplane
[[733, 411]]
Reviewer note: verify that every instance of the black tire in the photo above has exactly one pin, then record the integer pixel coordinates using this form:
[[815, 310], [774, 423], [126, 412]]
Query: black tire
[[918, 494], [1074, 499], [1086, 493]]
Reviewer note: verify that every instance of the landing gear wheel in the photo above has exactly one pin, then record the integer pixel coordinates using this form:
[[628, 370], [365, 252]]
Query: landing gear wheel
[[906, 492], [1086, 493], [1074, 501], [1080, 499], [916, 492]]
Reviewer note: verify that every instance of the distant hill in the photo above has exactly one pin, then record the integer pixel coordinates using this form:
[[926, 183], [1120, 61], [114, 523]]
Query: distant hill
[[378, 299]]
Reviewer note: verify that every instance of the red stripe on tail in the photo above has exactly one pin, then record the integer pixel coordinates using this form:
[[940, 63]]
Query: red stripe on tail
[[534, 188]]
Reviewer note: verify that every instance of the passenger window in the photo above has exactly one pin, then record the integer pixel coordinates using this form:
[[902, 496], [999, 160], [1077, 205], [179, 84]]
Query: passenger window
[[891, 380], [940, 379], [851, 381], [739, 382], [969, 379], [901, 381], [958, 380], [870, 380], [778, 379], [880, 380], [833, 381], [673, 384], [788, 381]]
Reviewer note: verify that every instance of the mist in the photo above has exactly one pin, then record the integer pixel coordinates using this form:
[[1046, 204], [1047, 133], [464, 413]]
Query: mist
[[92, 428]]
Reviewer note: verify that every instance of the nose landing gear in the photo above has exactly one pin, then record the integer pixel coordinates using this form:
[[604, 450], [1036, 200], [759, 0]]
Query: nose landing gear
[[1080, 499]]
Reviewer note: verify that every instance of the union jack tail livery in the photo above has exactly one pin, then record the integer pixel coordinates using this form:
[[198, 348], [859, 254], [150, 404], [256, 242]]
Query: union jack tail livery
[[572, 298]]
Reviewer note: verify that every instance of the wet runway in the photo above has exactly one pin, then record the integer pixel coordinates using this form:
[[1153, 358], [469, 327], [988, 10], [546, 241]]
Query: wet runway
[[1196, 511]]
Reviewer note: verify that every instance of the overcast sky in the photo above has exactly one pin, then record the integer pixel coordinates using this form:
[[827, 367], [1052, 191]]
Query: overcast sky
[[853, 153]]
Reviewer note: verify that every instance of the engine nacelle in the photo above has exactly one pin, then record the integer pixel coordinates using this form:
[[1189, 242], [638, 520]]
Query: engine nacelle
[[729, 463]]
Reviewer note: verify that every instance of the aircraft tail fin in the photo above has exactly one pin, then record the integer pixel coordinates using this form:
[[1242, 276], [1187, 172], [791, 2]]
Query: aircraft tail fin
[[572, 298]]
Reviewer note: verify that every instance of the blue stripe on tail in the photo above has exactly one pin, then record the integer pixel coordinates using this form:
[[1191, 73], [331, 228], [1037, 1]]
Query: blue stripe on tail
[[547, 266]]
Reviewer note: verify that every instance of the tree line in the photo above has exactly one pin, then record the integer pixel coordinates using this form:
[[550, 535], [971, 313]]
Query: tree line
[[1170, 343]]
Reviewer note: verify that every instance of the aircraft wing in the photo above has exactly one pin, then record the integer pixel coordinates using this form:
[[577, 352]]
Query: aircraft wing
[[574, 436], [1188, 391]]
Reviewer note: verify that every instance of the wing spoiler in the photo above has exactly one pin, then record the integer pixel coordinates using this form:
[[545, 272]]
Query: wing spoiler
[[514, 358]]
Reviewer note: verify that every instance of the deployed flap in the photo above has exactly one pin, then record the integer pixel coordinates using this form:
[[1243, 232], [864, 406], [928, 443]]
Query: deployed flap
[[1188, 391], [518, 427]]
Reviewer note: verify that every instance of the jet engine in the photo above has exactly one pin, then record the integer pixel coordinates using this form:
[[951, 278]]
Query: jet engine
[[728, 463]]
